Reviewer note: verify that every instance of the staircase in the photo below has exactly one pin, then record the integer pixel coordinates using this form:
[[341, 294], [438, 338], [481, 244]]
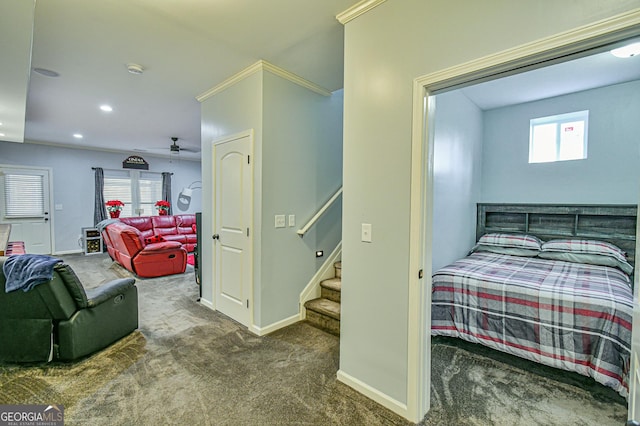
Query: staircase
[[324, 312]]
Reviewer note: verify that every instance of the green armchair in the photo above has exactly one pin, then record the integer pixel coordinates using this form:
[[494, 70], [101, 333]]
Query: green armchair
[[59, 320]]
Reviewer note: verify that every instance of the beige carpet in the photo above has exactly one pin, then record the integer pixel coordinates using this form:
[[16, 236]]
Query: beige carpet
[[188, 365]]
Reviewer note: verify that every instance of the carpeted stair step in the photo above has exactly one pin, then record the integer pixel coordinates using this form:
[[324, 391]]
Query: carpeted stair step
[[338, 268], [330, 289], [324, 314]]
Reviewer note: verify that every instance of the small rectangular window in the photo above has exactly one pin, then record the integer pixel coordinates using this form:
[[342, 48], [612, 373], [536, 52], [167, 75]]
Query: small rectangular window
[[558, 137]]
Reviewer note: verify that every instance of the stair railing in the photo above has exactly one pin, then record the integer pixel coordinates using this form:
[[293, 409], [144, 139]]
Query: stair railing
[[320, 212]]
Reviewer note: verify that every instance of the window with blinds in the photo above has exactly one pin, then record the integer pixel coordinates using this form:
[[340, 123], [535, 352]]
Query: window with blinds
[[24, 195], [139, 191], [150, 187], [119, 188]]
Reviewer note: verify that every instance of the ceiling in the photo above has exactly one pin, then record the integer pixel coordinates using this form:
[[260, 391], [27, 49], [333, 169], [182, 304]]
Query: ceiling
[[186, 47], [589, 72]]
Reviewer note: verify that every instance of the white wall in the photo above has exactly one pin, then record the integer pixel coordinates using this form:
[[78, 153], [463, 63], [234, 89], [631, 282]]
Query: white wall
[[610, 172], [298, 164], [73, 182], [385, 49], [457, 176]]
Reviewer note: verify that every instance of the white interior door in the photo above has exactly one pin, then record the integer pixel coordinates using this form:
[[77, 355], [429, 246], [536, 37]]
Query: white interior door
[[25, 204], [232, 222]]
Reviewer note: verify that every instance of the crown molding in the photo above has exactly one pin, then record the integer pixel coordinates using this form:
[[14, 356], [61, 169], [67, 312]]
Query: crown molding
[[263, 66], [251, 69], [535, 53], [357, 9]]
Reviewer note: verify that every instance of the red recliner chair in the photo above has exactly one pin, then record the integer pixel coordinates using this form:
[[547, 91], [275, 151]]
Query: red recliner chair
[[145, 260]]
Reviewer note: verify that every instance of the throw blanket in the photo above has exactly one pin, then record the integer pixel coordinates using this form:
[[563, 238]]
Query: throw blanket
[[25, 271], [104, 223]]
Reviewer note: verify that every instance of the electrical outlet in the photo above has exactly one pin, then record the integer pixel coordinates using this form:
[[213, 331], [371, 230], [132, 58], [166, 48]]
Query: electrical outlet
[[280, 221]]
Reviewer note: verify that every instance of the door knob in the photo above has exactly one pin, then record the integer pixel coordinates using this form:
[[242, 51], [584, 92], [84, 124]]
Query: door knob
[[216, 237]]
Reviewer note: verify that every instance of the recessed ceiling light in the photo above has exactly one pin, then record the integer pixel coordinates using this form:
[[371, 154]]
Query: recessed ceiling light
[[2, 134], [106, 108], [46, 72], [627, 51], [77, 135]]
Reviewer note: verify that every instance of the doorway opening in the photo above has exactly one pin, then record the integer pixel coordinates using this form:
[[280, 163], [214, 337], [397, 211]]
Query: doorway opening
[[582, 43]]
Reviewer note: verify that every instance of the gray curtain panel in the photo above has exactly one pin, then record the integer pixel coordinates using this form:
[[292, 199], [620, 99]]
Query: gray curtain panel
[[166, 190], [99, 210]]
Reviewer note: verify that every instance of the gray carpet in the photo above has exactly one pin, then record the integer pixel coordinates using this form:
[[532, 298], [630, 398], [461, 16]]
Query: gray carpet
[[190, 365], [470, 387]]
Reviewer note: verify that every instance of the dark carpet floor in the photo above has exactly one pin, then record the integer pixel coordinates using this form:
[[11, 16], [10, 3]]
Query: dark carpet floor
[[188, 365]]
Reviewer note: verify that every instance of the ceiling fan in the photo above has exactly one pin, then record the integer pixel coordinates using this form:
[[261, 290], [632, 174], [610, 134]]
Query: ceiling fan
[[175, 148]]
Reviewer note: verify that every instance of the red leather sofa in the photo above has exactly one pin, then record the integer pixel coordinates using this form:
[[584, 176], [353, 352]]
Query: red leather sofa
[[131, 243]]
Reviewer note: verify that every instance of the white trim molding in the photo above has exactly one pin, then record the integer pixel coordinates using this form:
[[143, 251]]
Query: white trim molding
[[263, 66], [546, 51], [357, 9], [373, 393], [538, 53], [66, 252], [261, 331], [207, 303]]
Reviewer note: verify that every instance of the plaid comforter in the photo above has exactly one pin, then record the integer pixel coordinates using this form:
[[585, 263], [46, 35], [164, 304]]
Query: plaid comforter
[[572, 316]]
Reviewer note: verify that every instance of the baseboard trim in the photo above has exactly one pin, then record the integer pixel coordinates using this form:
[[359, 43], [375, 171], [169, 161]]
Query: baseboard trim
[[208, 304], [62, 253], [261, 331], [373, 394]]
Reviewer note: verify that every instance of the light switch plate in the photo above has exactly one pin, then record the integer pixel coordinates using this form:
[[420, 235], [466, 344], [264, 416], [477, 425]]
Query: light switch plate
[[366, 232], [292, 220], [280, 221]]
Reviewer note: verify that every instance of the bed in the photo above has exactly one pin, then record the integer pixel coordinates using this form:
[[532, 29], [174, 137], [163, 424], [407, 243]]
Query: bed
[[551, 284]]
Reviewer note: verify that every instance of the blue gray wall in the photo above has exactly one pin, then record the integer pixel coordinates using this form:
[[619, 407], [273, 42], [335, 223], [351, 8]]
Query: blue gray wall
[[608, 175], [73, 182], [297, 167], [457, 176], [486, 160]]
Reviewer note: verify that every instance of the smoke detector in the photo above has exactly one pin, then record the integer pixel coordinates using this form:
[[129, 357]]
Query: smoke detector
[[135, 69]]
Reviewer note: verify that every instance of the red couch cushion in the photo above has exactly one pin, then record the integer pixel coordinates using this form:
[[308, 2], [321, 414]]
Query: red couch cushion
[[164, 225], [186, 223], [141, 223]]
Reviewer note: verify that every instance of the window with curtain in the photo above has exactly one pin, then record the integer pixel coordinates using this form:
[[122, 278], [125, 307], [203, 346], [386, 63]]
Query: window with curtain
[[138, 190], [24, 195]]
